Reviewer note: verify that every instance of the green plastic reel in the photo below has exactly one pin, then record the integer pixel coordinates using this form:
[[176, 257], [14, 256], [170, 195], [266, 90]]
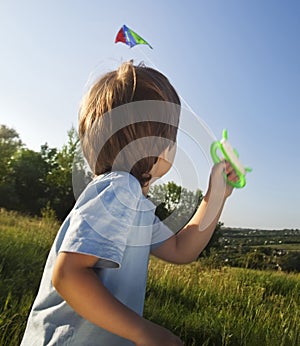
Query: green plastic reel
[[231, 155]]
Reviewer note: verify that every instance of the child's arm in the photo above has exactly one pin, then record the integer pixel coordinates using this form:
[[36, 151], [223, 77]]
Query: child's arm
[[75, 280], [186, 245]]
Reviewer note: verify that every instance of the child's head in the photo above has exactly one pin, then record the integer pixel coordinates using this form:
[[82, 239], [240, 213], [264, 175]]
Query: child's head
[[124, 125]]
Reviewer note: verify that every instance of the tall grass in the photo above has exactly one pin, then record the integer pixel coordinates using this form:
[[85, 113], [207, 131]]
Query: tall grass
[[227, 306], [24, 245]]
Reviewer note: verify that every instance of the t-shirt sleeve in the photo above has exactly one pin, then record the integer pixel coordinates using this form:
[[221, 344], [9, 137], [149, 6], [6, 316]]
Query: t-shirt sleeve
[[161, 233], [100, 226]]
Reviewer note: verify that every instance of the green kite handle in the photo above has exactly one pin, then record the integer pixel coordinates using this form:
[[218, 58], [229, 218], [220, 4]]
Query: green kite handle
[[213, 151], [216, 159]]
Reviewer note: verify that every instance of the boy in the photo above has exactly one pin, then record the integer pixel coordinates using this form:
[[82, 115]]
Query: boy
[[93, 287]]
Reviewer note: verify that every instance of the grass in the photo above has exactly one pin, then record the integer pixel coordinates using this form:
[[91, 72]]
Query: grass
[[229, 306], [24, 245], [204, 306]]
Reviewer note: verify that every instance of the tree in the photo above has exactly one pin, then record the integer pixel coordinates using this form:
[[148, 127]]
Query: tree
[[214, 242], [28, 176], [255, 260], [30, 181], [59, 176], [175, 207], [10, 144], [49, 155], [175, 204], [290, 262]]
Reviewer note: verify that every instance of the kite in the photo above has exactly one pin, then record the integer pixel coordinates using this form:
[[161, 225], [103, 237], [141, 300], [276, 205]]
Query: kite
[[130, 37]]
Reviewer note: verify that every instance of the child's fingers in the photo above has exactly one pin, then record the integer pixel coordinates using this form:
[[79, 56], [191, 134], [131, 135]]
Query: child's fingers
[[230, 172], [228, 167], [233, 177]]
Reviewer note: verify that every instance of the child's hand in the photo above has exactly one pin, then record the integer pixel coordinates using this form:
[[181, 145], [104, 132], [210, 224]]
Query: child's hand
[[231, 176], [158, 336], [217, 178]]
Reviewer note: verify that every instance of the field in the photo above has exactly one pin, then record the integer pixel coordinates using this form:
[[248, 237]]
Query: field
[[201, 304]]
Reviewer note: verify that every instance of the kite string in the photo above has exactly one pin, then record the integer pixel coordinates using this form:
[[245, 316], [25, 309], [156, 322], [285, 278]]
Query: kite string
[[154, 66], [180, 96]]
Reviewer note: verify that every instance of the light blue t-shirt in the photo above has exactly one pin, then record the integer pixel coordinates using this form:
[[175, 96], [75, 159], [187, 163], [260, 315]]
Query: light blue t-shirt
[[113, 221]]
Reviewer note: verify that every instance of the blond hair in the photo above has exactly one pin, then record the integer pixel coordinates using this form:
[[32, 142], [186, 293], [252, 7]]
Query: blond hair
[[114, 113]]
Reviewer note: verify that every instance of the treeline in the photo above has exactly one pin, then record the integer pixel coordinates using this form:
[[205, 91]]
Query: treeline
[[42, 183], [31, 181], [259, 249]]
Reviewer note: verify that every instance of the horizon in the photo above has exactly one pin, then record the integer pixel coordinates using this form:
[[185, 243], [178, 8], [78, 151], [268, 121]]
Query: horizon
[[237, 65]]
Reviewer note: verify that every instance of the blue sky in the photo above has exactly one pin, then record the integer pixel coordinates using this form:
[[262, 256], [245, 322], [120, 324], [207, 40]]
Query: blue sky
[[236, 63]]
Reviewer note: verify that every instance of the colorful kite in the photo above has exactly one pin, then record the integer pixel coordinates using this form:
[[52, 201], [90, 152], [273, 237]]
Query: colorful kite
[[129, 37]]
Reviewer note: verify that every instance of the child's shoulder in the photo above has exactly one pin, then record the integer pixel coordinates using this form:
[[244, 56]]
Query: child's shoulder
[[116, 195], [116, 185]]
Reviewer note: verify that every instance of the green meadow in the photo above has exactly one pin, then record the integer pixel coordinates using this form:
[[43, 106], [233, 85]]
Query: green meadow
[[202, 304]]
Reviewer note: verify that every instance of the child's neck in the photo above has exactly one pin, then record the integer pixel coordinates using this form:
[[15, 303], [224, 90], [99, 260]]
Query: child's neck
[[145, 190]]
